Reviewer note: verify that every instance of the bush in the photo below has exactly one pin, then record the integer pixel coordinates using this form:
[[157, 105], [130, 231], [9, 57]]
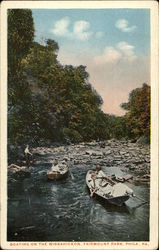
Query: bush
[[70, 135]]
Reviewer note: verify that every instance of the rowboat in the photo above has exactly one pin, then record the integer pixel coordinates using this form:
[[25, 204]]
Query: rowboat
[[58, 172], [111, 191]]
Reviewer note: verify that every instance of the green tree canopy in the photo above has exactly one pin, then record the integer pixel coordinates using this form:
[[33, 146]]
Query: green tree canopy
[[47, 100], [68, 105], [20, 38], [138, 112]]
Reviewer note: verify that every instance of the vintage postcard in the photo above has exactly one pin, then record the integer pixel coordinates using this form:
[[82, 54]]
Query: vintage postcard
[[79, 125]]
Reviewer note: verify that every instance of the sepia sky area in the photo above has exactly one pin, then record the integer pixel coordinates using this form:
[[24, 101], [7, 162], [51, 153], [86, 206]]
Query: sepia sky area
[[114, 45]]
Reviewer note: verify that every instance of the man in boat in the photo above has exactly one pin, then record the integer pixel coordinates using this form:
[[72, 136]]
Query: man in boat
[[99, 172], [100, 177], [97, 178], [93, 187], [27, 155], [55, 166]]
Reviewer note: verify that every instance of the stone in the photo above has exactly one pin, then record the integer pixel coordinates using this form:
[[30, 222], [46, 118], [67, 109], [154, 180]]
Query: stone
[[108, 152], [122, 152], [17, 172]]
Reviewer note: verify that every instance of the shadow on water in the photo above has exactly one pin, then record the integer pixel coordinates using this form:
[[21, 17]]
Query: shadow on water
[[110, 207], [120, 209]]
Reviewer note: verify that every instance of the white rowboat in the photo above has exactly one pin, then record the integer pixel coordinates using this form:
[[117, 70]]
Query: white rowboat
[[113, 192]]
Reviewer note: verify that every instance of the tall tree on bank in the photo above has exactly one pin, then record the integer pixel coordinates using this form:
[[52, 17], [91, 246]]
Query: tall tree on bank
[[20, 38], [138, 112], [68, 106], [47, 100]]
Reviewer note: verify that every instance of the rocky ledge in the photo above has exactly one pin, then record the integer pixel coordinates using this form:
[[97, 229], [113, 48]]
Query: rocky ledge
[[16, 172], [132, 158]]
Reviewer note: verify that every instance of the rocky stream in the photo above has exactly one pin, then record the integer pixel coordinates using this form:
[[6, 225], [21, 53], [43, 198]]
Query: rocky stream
[[40, 210]]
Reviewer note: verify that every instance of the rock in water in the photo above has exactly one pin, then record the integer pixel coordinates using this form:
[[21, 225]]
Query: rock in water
[[17, 172]]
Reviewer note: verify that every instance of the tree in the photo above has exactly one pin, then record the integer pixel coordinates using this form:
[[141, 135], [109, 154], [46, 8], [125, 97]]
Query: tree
[[52, 45], [68, 105], [138, 112], [20, 38], [47, 100]]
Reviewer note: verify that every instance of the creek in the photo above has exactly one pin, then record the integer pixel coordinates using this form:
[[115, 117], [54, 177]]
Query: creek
[[42, 210]]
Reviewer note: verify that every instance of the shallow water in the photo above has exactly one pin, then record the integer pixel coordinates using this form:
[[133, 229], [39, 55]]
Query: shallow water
[[41, 210]]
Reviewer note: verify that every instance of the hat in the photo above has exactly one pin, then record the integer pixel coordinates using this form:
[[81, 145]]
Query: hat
[[98, 168]]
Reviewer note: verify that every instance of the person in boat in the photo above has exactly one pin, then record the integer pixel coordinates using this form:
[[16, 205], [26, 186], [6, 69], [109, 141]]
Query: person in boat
[[55, 166], [97, 179], [99, 172], [93, 186], [28, 155], [101, 177]]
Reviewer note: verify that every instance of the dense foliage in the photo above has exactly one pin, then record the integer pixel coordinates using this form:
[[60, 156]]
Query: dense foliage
[[20, 38], [47, 100], [68, 107], [138, 112]]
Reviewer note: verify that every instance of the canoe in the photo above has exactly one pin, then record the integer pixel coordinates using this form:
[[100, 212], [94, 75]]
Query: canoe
[[111, 191], [58, 172]]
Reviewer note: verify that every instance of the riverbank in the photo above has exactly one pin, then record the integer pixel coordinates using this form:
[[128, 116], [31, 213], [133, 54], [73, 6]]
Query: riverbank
[[129, 157], [132, 158]]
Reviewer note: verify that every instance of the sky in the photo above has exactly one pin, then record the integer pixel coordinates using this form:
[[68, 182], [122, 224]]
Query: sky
[[113, 44]]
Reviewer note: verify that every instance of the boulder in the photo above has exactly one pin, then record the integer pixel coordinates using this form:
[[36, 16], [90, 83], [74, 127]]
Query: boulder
[[17, 172], [97, 153], [108, 152]]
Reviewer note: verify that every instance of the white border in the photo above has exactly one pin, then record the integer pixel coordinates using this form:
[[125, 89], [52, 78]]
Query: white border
[[153, 6]]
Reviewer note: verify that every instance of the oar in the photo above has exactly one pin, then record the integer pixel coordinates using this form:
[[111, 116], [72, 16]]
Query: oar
[[143, 203], [139, 198]]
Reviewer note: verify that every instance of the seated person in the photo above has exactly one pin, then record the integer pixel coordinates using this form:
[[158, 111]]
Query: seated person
[[100, 176]]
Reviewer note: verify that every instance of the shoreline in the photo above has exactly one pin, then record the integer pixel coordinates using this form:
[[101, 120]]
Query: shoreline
[[129, 157]]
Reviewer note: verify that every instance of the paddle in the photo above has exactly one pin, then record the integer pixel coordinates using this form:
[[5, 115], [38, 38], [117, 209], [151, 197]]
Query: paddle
[[142, 204], [140, 199], [107, 179]]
